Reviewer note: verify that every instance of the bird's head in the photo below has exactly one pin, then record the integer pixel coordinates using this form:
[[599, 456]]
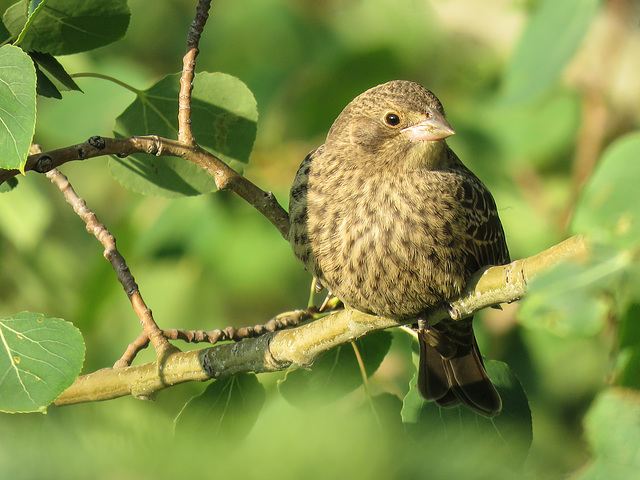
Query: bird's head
[[397, 123]]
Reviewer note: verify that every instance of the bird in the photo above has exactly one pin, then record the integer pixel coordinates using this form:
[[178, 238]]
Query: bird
[[391, 222]]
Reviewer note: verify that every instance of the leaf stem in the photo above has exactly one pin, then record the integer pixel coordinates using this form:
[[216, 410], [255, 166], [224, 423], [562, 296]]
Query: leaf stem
[[108, 78], [365, 382]]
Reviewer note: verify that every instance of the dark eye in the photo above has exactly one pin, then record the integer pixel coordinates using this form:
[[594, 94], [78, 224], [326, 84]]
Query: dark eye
[[392, 119]]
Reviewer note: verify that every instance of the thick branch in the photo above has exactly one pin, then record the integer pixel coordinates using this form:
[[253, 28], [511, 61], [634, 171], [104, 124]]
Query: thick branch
[[302, 345], [225, 177]]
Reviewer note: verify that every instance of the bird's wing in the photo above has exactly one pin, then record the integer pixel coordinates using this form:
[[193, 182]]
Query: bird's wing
[[485, 237]]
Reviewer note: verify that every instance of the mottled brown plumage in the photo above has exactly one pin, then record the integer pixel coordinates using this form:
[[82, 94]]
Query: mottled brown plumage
[[392, 223]]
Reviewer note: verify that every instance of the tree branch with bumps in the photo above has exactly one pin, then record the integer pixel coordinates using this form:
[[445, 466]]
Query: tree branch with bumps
[[301, 346]]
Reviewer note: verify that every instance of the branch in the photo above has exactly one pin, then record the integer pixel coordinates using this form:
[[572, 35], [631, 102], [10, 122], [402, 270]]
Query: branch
[[282, 321], [225, 177], [302, 345], [185, 134]]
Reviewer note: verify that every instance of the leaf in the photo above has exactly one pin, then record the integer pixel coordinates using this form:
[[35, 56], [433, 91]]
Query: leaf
[[17, 106], [549, 41], [613, 427], [49, 63], [63, 27], [224, 120], [336, 373], [34, 7], [608, 209], [506, 437], [227, 409], [570, 298], [628, 361], [9, 185], [5, 35], [45, 87], [39, 358]]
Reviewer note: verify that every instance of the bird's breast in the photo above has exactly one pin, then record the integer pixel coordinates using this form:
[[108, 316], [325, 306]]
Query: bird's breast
[[387, 244]]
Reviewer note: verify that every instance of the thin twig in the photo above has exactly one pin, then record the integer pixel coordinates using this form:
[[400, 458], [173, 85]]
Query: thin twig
[[118, 263], [185, 134], [132, 350], [282, 321], [225, 177]]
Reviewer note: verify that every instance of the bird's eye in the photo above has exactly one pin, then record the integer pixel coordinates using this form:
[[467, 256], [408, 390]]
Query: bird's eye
[[392, 119]]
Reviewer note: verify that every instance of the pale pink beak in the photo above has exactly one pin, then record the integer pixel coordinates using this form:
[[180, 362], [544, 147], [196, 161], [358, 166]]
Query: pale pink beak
[[435, 127]]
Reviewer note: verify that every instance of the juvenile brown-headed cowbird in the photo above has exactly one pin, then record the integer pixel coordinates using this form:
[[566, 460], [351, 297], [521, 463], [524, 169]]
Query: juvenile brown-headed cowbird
[[392, 223]]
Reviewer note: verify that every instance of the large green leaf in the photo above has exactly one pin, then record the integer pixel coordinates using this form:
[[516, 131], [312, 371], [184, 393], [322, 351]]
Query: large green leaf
[[551, 38], [613, 429], [17, 106], [336, 373], [609, 206], [63, 27], [39, 358], [227, 409], [224, 120], [507, 436]]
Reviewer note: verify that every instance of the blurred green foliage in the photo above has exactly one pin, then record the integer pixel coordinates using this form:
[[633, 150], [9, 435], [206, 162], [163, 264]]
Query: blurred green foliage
[[211, 261]]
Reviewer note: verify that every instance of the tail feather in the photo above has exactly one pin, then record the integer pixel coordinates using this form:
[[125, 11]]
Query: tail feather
[[433, 380], [460, 378]]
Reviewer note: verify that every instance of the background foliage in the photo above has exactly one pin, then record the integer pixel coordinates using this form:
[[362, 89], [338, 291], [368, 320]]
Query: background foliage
[[535, 102]]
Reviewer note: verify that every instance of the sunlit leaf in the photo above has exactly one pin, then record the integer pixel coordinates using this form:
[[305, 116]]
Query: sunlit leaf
[[63, 27], [336, 373], [39, 358], [224, 120], [550, 40], [33, 8], [227, 409], [17, 106]]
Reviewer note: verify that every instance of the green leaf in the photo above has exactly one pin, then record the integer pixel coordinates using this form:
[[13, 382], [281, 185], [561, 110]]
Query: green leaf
[[227, 409], [507, 437], [628, 360], [34, 7], [548, 43], [570, 298], [49, 63], [9, 185], [46, 87], [39, 358], [17, 106], [336, 373], [608, 209], [224, 120], [4, 33], [613, 428], [63, 27]]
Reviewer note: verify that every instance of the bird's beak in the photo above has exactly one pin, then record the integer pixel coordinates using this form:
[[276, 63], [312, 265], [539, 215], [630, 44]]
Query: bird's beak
[[434, 127]]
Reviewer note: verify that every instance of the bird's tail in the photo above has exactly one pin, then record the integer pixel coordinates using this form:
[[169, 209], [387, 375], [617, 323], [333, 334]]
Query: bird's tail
[[450, 373]]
